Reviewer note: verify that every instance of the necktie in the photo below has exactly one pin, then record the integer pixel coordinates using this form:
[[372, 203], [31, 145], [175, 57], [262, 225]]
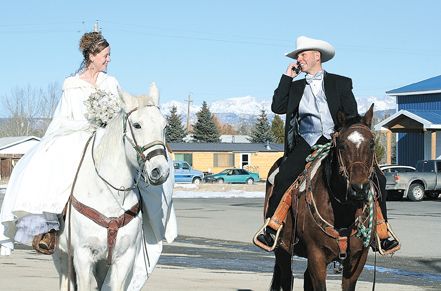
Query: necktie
[[318, 76]]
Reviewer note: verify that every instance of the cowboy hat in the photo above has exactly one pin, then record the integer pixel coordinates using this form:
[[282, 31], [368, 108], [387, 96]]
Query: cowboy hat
[[304, 43]]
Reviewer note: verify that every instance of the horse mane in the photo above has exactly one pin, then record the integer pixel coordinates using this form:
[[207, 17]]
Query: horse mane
[[111, 137]]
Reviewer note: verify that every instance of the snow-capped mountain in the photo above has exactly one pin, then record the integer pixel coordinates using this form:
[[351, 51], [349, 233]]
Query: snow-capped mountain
[[246, 109]]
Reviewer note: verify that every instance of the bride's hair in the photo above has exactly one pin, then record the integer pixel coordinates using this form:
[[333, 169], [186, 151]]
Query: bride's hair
[[91, 43]]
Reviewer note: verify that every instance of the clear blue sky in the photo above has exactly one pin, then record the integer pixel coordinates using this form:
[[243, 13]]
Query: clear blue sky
[[221, 49]]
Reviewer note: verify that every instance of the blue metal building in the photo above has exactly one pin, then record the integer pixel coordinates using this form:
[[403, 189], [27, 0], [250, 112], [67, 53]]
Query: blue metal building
[[417, 121]]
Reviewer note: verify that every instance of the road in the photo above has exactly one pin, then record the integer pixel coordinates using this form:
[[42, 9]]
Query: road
[[213, 251]]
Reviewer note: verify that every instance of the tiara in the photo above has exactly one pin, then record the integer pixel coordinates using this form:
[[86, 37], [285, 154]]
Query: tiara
[[95, 44]]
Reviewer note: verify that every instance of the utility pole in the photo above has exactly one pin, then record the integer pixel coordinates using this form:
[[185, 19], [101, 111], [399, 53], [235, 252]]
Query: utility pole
[[188, 111], [96, 27]]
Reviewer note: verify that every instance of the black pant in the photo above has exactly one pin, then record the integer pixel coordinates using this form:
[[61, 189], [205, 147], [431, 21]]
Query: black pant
[[291, 167]]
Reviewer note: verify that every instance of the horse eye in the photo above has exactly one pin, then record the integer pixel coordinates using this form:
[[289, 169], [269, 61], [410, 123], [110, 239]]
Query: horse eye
[[137, 125]]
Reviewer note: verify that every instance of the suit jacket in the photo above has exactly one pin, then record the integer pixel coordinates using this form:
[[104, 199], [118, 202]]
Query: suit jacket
[[287, 96]]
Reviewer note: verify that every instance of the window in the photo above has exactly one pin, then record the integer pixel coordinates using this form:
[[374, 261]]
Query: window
[[223, 160], [184, 157]]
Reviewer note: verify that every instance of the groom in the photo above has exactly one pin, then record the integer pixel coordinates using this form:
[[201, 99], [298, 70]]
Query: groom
[[311, 105]]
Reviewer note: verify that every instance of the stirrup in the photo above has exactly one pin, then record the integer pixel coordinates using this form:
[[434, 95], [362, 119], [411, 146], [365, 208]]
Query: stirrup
[[262, 245], [391, 234]]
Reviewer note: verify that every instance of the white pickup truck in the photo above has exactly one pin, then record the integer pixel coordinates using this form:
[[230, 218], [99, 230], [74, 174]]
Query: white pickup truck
[[425, 181]]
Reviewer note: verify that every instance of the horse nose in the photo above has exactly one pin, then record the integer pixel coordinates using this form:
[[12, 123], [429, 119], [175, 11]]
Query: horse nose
[[360, 190], [156, 174]]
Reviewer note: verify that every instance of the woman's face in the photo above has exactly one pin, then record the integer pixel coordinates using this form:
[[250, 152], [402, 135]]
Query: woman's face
[[101, 60]]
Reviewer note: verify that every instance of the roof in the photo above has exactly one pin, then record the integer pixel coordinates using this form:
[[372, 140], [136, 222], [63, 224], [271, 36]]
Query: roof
[[429, 119], [429, 86], [227, 147], [9, 141]]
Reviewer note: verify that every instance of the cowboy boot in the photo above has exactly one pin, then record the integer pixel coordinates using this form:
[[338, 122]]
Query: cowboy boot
[[45, 243]]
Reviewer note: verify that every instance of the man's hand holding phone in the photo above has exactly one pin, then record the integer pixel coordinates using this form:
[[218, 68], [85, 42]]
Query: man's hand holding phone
[[293, 70]]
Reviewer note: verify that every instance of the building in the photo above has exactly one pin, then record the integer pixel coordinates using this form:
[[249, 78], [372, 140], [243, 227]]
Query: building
[[215, 157], [11, 150], [417, 122]]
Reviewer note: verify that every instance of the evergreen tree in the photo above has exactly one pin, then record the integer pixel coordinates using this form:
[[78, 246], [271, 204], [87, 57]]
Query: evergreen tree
[[261, 132], [175, 131], [278, 129], [205, 129]]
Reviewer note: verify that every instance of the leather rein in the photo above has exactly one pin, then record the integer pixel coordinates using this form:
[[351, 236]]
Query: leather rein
[[141, 157], [113, 224], [340, 235]]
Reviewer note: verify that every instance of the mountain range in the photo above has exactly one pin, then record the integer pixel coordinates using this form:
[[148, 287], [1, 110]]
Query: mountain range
[[238, 110]]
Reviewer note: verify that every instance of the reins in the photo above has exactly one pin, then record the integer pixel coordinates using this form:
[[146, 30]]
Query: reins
[[112, 223], [140, 156], [358, 228]]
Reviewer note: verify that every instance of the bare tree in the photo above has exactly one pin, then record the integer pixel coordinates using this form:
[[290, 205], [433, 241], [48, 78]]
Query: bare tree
[[29, 110]]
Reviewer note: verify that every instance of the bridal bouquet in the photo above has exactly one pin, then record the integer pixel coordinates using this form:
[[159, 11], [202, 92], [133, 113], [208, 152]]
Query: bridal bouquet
[[101, 107]]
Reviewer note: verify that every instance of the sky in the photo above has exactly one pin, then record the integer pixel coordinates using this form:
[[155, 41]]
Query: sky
[[214, 50]]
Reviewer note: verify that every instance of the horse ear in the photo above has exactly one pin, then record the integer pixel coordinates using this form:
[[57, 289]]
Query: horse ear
[[128, 101], [341, 118], [367, 118], [154, 93]]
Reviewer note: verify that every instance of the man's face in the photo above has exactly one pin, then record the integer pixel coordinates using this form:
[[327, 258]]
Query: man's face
[[309, 61]]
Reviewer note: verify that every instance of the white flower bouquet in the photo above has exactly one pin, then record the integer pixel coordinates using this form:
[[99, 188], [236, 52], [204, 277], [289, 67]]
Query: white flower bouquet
[[101, 107]]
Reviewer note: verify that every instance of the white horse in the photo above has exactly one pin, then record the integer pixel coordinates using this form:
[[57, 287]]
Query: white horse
[[102, 232]]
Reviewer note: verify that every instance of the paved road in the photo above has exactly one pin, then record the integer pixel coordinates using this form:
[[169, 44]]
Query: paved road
[[232, 223], [213, 252]]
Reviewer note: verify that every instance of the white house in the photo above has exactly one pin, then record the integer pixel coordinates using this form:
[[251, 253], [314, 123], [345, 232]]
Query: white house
[[11, 150]]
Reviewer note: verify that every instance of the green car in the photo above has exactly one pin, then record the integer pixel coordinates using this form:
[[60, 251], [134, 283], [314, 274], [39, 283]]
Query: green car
[[233, 176]]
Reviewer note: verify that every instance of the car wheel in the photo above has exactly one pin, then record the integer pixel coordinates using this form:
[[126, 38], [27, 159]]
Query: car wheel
[[197, 181], [416, 192], [220, 181], [250, 181]]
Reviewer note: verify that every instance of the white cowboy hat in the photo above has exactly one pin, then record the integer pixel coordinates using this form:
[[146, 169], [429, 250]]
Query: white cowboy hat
[[304, 43]]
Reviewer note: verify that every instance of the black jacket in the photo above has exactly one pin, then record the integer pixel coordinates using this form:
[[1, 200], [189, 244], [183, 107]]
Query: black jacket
[[286, 100]]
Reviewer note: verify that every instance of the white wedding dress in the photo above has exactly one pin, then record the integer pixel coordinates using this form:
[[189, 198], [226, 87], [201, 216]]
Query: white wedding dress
[[40, 183]]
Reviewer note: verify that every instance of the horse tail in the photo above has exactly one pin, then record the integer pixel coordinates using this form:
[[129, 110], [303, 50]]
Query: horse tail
[[282, 274]]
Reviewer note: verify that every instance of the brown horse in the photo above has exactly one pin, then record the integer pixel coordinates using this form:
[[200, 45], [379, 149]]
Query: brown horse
[[334, 213]]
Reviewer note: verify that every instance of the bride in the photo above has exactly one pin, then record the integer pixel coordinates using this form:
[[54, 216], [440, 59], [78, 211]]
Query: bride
[[40, 183]]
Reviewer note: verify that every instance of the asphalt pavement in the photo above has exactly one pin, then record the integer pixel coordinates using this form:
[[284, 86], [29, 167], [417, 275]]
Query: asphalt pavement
[[214, 252]]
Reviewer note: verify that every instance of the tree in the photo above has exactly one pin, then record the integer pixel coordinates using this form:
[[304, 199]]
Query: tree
[[278, 129], [29, 110], [261, 132], [205, 129], [379, 148], [175, 131], [224, 128]]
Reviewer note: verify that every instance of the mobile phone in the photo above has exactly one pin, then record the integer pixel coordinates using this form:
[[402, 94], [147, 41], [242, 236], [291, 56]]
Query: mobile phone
[[298, 69]]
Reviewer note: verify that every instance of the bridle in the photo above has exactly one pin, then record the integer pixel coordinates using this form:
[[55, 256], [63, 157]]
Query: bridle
[[141, 157], [140, 150], [345, 170]]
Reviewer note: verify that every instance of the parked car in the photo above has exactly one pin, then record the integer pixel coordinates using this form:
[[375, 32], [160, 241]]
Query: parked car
[[184, 173], [396, 168], [233, 176], [424, 181]]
